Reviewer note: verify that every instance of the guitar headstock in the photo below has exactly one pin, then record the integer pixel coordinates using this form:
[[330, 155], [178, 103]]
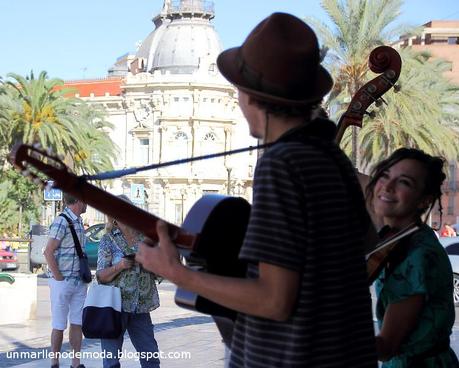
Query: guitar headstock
[[37, 164]]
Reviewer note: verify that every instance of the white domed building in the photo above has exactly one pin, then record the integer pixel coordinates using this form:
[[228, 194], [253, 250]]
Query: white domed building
[[167, 102]]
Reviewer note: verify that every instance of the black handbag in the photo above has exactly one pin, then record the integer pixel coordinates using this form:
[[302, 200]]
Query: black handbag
[[85, 272]]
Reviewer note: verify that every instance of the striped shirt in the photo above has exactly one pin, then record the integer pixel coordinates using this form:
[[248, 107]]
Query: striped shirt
[[306, 218], [65, 254]]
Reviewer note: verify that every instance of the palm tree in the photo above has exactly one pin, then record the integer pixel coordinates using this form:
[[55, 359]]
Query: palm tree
[[38, 110], [421, 115], [359, 27], [39, 113], [96, 152]]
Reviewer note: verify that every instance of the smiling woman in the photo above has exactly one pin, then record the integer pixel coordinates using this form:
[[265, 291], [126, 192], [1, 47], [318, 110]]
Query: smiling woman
[[415, 307]]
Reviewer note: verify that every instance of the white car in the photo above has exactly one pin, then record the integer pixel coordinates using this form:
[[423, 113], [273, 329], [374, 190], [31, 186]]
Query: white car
[[451, 246]]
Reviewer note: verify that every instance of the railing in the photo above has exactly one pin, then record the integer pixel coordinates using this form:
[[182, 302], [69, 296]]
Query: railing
[[192, 6]]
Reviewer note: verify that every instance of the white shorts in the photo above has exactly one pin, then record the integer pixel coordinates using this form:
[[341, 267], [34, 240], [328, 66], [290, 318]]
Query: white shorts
[[67, 299]]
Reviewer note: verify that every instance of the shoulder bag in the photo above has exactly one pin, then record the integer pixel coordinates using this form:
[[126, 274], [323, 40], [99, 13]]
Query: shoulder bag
[[102, 312], [85, 272]]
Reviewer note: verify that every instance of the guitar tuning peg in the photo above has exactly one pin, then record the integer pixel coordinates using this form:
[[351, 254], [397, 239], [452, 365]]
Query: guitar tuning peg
[[397, 88], [378, 103]]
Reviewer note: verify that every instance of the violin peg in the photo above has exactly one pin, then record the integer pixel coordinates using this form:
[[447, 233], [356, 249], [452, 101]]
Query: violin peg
[[371, 114], [378, 103]]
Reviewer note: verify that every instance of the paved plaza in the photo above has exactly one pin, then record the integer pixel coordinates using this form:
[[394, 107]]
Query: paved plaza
[[191, 339], [185, 338]]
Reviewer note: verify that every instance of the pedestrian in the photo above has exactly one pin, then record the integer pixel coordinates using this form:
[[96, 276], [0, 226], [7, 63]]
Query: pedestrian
[[447, 231], [67, 290], [415, 308], [4, 243], [305, 301], [139, 296]]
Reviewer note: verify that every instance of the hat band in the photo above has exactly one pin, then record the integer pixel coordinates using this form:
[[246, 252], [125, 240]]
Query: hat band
[[256, 80]]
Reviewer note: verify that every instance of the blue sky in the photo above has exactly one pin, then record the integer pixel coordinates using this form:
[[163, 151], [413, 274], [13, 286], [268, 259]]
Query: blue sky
[[82, 39]]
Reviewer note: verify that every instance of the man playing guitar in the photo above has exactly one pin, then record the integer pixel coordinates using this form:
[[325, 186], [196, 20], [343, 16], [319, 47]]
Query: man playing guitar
[[305, 301]]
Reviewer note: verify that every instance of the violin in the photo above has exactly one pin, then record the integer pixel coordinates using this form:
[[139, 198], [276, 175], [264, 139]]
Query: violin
[[381, 255], [387, 62]]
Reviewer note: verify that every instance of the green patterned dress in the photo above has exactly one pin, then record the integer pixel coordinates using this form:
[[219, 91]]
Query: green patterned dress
[[426, 270], [138, 286]]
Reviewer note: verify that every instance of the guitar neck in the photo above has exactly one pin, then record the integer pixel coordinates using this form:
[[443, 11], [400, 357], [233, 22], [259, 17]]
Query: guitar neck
[[122, 210]]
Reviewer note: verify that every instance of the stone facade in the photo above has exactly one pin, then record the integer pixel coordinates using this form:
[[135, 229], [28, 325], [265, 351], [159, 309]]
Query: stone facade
[[168, 102]]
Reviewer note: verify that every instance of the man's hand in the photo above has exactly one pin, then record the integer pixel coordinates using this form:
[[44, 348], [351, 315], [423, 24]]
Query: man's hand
[[162, 259], [58, 277]]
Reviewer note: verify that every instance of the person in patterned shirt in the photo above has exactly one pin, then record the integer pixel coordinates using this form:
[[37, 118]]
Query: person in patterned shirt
[[139, 296], [67, 290], [305, 301]]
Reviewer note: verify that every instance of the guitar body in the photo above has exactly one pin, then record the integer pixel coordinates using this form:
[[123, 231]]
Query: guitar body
[[221, 223]]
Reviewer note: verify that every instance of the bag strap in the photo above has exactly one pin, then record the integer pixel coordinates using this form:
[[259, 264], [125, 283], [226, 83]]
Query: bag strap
[[74, 235]]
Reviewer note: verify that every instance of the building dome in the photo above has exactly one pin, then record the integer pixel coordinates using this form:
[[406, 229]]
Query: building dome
[[183, 37]]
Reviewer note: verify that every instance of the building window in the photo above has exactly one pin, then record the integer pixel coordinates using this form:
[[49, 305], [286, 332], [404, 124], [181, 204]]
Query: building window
[[178, 213], [143, 152], [453, 40], [181, 136], [210, 137]]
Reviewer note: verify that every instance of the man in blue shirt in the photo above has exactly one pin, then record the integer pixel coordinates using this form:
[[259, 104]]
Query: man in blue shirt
[[67, 290]]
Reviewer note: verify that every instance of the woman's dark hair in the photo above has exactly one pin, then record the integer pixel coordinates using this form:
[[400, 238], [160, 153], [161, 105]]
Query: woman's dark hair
[[434, 178]]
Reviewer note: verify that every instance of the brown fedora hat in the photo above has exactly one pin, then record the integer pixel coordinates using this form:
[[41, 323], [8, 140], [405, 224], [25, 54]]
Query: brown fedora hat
[[279, 62]]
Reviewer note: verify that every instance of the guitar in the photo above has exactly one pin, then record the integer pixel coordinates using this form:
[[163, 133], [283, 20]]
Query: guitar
[[209, 238]]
